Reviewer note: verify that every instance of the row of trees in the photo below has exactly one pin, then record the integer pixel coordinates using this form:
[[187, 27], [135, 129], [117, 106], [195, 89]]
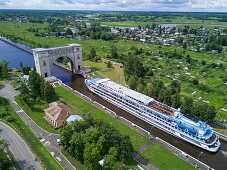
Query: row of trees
[[91, 140], [171, 96], [97, 32], [37, 88]]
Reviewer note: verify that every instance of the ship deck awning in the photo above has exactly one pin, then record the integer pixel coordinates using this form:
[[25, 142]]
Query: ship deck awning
[[131, 94]]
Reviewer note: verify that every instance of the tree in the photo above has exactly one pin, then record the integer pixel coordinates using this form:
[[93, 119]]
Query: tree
[[92, 53], [186, 105], [203, 112], [109, 64], [167, 97], [69, 32], [24, 89], [92, 157], [195, 82], [77, 146], [26, 70], [176, 102], [132, 83], [114, 53], [49, 93], [66, 135], [175, 87], [149, 90], [125, 147], [34, 83], [111, 157], [140, 87], [92, 135]]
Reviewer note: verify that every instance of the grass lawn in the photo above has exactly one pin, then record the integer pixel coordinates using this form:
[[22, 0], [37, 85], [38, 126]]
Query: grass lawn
[[115, 73], [164, 159], [74, 100], [36, 113], [33, 142], [73, 161], [136, 138]]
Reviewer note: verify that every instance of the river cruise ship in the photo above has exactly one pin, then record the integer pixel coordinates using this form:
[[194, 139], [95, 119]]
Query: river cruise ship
[[164, 117]]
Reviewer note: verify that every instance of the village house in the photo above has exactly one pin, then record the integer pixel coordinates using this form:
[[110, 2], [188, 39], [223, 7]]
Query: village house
[[57, 113]]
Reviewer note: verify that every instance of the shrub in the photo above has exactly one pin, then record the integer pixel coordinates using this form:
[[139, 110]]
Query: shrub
[[3, 114], [10, 119]]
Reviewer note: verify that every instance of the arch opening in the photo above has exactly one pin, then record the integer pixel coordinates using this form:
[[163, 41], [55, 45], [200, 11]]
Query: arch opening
[[64, 62]]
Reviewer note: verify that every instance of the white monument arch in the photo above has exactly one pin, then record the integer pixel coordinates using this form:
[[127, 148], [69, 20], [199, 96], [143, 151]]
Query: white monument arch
[[45, 57]]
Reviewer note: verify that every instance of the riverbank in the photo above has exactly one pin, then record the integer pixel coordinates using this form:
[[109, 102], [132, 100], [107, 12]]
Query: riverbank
[[17, 46]]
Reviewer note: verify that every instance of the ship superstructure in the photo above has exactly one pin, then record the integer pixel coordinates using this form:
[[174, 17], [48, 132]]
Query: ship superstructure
[[158, 114]]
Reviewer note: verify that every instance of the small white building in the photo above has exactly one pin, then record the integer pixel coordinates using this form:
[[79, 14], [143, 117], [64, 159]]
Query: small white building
[[72, 118]]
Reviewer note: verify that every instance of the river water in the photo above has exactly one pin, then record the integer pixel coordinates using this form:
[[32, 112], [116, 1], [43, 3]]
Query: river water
[[215, 160]]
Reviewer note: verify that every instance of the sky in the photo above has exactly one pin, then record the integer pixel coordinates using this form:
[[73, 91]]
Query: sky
[[119, 5]]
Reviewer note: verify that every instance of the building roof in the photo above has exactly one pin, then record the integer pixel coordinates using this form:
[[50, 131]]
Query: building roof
[[51, 78], [72, 118], [134, 95], [58, 110], [54, 48]]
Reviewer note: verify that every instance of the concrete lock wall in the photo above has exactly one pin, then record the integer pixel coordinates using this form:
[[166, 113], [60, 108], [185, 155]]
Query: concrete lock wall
[[45, 57]]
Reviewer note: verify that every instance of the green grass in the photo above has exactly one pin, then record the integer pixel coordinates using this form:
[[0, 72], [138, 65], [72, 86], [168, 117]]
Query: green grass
[[36, 113], [136, 138], [33, 142], [73, 161], [164, 159], [74, 100], [115, 73]]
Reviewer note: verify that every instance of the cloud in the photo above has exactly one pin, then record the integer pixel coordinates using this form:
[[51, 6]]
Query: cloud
[[4, 2], [119, 5]]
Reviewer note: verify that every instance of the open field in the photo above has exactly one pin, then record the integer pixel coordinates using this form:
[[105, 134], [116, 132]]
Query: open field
[[33, 142], [115, 73], [164, 159], [160, 21]]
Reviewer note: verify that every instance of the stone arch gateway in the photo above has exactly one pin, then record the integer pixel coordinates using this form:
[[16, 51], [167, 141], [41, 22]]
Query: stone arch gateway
[[45, 57]]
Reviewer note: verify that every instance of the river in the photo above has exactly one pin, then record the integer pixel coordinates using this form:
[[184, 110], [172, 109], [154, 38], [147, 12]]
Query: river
[[215, 160]]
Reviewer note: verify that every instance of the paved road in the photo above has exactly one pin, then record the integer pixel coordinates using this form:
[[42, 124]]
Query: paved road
[[8, 92], [20, 150]]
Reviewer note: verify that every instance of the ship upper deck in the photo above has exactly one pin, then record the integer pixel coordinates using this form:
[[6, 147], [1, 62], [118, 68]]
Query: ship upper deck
[[131, 94], [161, 108]]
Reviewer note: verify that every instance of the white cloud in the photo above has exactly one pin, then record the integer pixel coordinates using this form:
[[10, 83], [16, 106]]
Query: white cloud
[[138, 5]]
